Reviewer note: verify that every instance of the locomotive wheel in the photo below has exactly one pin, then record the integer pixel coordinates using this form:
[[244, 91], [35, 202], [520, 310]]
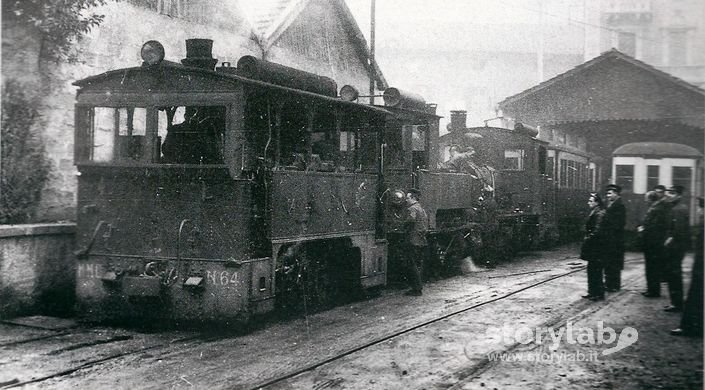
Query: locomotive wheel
[[301, 282]]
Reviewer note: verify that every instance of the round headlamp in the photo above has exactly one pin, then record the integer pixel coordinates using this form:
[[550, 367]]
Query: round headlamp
[[348, 93], [397, 197], [152, 52]]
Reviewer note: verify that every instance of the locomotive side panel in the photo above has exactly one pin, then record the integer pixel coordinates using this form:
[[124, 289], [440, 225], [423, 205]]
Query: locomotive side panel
[[310, 204], [445, 192], [142, 214]]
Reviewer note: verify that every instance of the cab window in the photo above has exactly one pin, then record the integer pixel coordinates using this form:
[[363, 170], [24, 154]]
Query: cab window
[[169, 135]]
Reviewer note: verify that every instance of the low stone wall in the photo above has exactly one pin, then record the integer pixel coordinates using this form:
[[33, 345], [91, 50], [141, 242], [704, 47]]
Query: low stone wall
[[37, 269]]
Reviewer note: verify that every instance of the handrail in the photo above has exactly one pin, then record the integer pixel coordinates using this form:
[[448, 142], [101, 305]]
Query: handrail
[[178, 246], [83, 252]]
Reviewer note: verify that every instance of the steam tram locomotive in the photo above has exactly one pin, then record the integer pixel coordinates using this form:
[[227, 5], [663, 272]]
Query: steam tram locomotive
[[213, 194]]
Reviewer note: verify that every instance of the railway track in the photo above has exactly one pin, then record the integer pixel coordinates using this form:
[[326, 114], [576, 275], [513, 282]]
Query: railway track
[[559, 321], [119, 344]]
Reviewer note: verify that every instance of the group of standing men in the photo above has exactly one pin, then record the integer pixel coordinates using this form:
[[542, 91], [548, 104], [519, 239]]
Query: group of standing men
[[665, 238], [603, 246], [665, 234]]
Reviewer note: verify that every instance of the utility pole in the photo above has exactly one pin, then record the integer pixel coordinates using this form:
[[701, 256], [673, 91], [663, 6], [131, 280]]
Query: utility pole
[[372, 52], [539, 54]]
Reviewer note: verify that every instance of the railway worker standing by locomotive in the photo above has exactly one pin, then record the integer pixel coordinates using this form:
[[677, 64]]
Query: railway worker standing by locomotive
[[676, 243], [653, 235], [592, 249], [416, 251], [613, 224]]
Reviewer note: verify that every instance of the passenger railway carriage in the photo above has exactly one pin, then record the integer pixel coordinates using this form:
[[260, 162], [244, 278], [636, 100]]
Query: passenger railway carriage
[[638, 167], [214, 193]]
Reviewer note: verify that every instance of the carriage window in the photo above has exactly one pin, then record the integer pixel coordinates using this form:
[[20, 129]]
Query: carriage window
[[625, 177], [185, 135], [550, 166], [682, 177], [541, 155], [514, 159], [652, 177]]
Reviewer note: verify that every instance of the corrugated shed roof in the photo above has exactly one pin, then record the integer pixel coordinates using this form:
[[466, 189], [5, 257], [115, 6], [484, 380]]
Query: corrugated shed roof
[[611, 54], [657, 149]]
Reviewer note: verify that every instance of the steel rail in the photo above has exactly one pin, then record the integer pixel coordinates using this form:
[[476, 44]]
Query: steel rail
[[390, 336]]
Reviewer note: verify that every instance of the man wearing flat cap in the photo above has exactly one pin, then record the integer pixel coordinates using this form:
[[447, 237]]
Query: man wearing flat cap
[[676, 244], [613, 228]]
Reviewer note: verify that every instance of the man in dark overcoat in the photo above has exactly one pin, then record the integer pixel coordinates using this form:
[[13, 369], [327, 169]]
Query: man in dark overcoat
[[676, 244], [653, 235], [692, 319], [613, 228]]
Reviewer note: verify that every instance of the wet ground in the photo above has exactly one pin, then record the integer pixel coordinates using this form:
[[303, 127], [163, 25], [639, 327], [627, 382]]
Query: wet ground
[[478, 330]]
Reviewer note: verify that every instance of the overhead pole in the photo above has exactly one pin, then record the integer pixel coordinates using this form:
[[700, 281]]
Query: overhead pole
[[372, 52], [540, 51]]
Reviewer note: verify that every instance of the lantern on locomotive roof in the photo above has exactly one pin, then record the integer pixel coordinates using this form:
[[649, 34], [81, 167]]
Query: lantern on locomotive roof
[[349, 93], [152, 53]]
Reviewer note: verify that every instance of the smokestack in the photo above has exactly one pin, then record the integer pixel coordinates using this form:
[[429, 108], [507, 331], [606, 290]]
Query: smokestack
[[199, 54], [458, 120]]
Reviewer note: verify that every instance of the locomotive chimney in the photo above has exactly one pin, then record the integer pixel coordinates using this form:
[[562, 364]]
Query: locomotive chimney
[[458, 119], [199, 54]]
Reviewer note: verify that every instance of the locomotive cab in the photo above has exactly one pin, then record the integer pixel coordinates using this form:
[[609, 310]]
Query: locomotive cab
[[210, 194]]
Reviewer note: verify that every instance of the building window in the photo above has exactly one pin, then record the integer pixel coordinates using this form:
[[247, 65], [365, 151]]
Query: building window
[[625, 177], [682, 177], [626, 42], [652, 178], [677, 47]]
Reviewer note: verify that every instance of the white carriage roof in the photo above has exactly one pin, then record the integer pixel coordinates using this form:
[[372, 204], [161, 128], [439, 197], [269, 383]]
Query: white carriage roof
[[657, 149]]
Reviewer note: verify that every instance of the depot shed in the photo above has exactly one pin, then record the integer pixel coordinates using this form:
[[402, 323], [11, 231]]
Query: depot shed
[[614, 100]]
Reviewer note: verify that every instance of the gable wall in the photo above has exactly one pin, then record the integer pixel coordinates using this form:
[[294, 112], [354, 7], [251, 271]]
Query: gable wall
[[317, 41]]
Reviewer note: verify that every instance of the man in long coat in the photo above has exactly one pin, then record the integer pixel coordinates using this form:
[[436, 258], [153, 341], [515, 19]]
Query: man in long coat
[[676, 244], [653, 235], [613, 228]]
